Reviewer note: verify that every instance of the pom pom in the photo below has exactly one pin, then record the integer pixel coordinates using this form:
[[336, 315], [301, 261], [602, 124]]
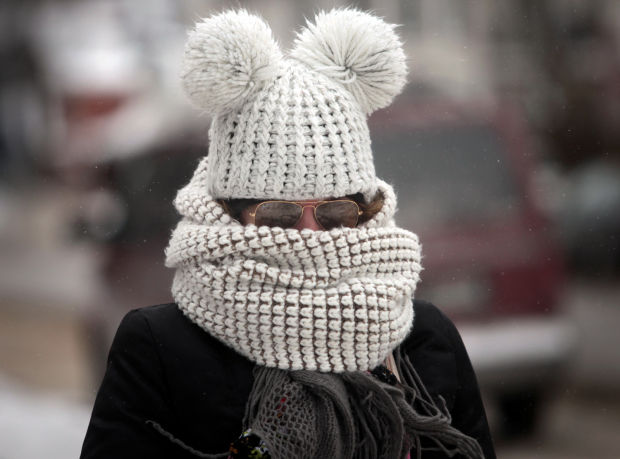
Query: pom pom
[[228, 57], [357, 49]]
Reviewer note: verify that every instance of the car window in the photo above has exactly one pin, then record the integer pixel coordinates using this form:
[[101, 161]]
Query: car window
[[447, 174]]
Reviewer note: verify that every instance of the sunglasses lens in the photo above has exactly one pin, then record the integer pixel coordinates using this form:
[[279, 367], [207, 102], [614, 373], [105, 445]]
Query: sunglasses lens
[[333, 214], [276, 213]]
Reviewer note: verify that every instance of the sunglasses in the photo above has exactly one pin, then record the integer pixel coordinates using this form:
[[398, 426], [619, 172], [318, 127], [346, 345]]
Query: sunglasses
[[286, 214]]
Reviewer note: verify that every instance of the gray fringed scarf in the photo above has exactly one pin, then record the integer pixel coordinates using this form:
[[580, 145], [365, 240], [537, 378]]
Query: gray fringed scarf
[[307, 414]]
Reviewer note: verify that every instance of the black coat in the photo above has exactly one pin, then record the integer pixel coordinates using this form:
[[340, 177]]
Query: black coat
[[164, 369]]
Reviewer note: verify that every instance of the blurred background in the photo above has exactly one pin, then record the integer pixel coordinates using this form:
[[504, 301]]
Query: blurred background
[[504, 151]]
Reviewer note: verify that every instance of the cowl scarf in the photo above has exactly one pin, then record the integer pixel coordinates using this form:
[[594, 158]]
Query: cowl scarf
[[316, 311]]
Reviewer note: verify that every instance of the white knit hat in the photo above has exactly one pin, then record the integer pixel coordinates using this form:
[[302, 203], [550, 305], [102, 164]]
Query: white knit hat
[[292, 127]]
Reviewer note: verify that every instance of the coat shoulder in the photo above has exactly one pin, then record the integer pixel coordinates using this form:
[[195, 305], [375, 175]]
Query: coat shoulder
[[161, 313], [153, 321], [430, 317], [178, 337]]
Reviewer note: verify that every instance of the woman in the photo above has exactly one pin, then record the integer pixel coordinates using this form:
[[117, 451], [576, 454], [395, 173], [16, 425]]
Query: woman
[[293, 332]]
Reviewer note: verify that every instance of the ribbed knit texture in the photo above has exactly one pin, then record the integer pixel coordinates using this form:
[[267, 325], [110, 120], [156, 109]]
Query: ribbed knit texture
[[301, 137], [292, 127], [331, 301]]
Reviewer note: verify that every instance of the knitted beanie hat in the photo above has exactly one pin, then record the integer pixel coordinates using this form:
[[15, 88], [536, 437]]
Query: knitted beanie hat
[[292, 127]]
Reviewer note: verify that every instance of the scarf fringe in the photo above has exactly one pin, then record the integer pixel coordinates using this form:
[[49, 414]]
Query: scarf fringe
[[356, 416], [431, 421]]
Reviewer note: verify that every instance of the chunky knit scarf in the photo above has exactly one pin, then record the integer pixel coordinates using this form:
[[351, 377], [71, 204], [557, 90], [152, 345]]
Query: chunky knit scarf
[[331, 301]]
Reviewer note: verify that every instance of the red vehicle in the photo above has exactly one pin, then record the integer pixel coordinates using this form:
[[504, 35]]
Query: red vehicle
[[463, 176]]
